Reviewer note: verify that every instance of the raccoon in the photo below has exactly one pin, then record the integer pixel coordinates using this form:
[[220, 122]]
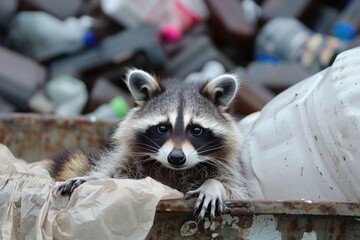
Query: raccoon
[[180, 134]]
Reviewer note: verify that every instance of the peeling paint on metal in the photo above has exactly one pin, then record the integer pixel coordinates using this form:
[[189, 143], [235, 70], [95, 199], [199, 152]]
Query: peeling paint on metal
[[189, 228], [230, 221], [264, 227], [309, 236]]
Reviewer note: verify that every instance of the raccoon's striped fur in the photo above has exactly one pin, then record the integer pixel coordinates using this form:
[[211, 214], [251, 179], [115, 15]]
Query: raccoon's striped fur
[[74, 162], [179, 134]]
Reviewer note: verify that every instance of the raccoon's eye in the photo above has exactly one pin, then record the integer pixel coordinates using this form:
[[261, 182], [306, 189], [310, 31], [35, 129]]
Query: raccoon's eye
[[197, 131], [162, 129]]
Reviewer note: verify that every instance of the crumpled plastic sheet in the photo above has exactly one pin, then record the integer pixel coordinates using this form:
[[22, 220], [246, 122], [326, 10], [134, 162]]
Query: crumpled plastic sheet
[[101, 209]]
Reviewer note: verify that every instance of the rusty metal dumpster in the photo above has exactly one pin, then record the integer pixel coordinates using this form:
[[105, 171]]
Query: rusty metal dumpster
[[260, 220], [34, 137]]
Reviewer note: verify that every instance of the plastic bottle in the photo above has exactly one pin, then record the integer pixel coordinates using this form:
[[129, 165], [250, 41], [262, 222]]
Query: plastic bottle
[[116, 108], [69, 95], [171, 17], [348, 24], [305, 143], [288, 39], [134, 47], [40, 35], [181, 15]]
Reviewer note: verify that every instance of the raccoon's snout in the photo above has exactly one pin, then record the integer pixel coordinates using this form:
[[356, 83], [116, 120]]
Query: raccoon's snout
[[176, 157]]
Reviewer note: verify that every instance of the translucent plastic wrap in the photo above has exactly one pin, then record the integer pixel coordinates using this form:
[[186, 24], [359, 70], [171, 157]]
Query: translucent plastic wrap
[[103, 209], [305, 143]]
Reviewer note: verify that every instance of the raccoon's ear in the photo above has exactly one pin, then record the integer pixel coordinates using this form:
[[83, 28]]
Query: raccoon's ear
[[222, 90], [142, 85]]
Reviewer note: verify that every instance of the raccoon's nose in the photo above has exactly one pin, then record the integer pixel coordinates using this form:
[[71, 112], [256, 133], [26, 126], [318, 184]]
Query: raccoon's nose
[[176, 157]]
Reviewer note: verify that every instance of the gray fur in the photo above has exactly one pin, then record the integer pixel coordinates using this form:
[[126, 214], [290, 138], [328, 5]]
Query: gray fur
[[221, 170]]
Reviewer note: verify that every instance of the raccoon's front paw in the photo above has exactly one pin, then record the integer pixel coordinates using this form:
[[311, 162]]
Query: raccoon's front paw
[[210, 195], [68, 186]]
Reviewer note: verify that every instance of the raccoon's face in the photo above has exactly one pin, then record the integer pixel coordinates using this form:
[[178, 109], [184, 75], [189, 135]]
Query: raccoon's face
[[182, 124]]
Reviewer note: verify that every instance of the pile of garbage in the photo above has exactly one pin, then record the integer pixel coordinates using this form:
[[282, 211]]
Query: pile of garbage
[[69, 57]]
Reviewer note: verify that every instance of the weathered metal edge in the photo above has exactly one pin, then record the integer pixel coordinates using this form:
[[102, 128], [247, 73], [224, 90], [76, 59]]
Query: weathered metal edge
[[49, 117], [251, 207]]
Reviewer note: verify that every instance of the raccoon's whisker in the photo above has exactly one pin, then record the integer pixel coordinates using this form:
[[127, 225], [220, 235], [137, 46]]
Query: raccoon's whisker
[[144, 144], [140, 154], [147, 146], [212, 146], [158, 148], [149, 150], [205, 145], [197, 150], [210, 163], [216, 162], [211, 149], [152, 141]]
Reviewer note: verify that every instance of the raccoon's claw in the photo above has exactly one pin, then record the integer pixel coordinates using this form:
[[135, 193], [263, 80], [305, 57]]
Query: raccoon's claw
[[68, 186], [210, 196]]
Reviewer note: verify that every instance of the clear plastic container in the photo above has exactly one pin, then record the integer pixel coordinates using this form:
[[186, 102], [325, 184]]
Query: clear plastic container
[[305, 143]]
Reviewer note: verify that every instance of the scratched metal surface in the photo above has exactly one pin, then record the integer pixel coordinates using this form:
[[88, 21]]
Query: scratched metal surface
[[34, 137]]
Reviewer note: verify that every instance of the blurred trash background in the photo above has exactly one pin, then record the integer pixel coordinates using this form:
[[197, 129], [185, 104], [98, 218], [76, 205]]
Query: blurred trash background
[[69, 57]]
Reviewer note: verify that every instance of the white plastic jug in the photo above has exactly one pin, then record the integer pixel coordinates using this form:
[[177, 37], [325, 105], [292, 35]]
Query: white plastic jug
[[305, 143]]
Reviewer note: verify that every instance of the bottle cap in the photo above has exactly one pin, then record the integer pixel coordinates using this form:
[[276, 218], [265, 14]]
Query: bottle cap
[[120, 106], [170, 32], [264, 57], [344, 31], [89, 38]]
